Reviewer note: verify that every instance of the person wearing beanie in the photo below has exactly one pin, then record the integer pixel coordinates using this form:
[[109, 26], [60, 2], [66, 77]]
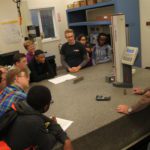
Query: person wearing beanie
[[32, 129], [40, 68]]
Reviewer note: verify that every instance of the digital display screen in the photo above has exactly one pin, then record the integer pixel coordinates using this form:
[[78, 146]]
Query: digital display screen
[[130, 51]]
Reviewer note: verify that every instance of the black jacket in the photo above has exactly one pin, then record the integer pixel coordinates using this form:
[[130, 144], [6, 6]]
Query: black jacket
[[29, 129], [40, 71]]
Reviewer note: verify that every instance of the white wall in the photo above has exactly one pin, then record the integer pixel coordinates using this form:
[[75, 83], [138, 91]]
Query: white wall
[[60, 9], [70, 1], [8, 12], [145, 32]]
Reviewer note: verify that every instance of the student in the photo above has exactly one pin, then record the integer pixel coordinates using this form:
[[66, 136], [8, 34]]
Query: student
[[32, 128], [40, 68], [17, 85], [30, 47], [19, 61], [73, 53], [102, 50], [83, 40], [3, 72], [140, 105]]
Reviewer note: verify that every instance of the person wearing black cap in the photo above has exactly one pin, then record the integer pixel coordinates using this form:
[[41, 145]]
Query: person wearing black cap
[[40, 68], [31, 128]]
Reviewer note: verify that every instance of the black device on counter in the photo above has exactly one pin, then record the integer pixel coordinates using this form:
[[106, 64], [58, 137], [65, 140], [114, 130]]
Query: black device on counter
[[103, 98]]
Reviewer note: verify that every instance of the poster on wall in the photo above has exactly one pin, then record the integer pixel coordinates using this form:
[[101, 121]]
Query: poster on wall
[[10, 32]]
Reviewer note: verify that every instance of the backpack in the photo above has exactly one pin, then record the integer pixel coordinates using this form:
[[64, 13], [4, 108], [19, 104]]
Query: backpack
[[7, 119], [4, 146]]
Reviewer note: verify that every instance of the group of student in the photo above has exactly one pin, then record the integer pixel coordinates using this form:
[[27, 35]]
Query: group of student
[[22, 123], [77, 54], [21, 109]]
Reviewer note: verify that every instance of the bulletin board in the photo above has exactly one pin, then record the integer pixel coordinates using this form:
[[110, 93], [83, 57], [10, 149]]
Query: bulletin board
[[10, 32]]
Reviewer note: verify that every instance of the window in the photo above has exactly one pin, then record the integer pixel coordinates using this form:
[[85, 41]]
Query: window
[[44, 18]]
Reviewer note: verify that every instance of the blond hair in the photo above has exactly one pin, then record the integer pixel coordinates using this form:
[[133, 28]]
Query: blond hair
[[28, 43], [11, 75], [68, 31]]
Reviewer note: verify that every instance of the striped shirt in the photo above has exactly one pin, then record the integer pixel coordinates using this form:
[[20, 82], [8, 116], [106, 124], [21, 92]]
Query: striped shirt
[[9, 95]]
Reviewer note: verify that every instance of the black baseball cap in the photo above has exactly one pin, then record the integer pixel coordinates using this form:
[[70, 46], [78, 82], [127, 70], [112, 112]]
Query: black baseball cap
[[38, 52]]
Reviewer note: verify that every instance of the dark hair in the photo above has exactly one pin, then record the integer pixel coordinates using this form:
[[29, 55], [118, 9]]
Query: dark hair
[[17, 57], [38, 52], [38, 97], [80, 37], [1, 75], [102, 34]]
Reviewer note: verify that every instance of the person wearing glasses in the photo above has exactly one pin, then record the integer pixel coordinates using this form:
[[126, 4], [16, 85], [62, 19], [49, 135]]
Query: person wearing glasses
[[3, 72], [17, 85]]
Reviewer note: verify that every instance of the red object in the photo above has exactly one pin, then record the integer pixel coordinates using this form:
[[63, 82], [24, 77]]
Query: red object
[[4, 146], [13, 107]]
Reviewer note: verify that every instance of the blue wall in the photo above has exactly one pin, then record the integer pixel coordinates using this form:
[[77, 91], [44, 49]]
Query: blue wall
[[131, 10]]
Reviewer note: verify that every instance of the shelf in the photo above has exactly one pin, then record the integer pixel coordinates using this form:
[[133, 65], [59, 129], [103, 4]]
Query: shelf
[[98, 5], [78, 19], [93, 23]]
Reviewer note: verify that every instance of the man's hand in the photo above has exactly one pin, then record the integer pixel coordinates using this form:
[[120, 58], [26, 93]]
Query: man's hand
[[68, 145], [76, 69], [71, 69], [138, 90], [123, 109], [54, 120]]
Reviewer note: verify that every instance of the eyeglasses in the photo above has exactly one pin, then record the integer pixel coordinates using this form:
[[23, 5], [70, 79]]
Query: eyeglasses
[[24, 76]]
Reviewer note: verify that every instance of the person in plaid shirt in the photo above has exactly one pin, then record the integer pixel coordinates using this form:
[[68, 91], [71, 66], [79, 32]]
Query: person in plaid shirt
[[17, 85], [3, 72]]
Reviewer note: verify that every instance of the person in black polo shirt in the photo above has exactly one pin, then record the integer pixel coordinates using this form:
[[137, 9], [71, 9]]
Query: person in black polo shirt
[[73, 54], [40, 67]]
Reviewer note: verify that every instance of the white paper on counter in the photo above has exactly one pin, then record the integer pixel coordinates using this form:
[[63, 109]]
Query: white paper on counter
[[63, 78], [65, 124]]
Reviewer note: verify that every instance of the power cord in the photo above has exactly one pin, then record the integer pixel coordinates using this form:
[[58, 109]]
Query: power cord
[[18, 3]]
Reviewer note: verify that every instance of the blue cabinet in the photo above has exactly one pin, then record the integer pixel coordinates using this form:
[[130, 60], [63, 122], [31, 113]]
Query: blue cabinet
[[77, 19]]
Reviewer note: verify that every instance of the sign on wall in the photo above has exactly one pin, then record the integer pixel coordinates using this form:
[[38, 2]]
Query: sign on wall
[[10, 32]]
